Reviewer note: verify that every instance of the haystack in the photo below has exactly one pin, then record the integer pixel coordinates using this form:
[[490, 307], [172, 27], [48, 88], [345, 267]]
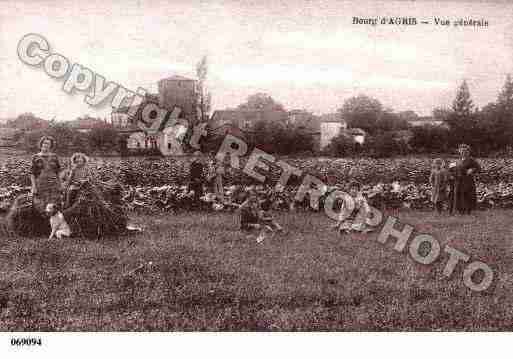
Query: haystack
[[97, 211], [24, 220]]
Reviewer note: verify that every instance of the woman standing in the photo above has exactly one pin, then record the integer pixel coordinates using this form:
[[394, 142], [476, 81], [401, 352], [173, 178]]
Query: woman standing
[[27, 214], [197, 177], [463, 196], [44, 176]]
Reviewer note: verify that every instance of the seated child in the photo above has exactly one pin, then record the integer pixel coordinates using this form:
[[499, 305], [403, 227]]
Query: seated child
[[249, 210], [60, 227], [74, 177], [266, 218], [356, 220], [253, 217]]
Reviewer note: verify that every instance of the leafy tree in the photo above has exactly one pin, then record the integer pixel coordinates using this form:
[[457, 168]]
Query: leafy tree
[[261, 101], [28, 122], [362, 111], [343, 145], [390, 121], [503, 114], [462, 119], [408, 115], [279, 138], [103, 138], [462, 105], [505, 98], [381, 145], [430, 139]]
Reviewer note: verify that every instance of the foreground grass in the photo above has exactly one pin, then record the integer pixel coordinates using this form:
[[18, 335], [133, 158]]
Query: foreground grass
[[194, 272]]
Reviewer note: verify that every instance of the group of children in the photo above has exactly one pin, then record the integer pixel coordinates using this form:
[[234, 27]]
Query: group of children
[[255, 215]]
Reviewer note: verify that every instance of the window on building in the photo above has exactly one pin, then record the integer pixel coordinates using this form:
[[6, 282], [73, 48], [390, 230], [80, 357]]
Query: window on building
[[169, 146]]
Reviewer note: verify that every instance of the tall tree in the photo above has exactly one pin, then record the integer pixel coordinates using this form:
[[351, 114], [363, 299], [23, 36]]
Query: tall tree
[[362, 111], [204, 98], [462, 104], [505, 98], [502, 114], [462, 117], [261, 101]]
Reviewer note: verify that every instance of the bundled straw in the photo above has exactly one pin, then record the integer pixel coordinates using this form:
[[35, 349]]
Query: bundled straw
[[24, 220], [97, 211]]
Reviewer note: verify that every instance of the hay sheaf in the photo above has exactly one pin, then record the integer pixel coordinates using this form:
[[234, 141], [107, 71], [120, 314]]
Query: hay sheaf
[[97, 212], [24, 220]]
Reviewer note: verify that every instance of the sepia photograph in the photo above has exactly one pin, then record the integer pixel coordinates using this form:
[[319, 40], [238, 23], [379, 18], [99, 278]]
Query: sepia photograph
[[255, 166]]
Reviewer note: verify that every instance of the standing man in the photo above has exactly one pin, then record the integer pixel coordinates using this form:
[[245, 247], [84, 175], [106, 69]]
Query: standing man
[[197, 177]]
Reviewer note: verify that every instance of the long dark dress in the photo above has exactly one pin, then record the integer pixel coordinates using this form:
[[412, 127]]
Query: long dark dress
[[26, 216], [46, 168], [196, 180], [463, 198]]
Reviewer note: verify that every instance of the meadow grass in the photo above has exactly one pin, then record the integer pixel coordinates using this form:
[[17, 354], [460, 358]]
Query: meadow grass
[[195, 271]]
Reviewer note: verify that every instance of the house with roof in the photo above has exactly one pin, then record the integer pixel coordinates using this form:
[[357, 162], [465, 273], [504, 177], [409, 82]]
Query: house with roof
[[426, 120], [182, 92], [331, 125], [173, 91], [167, 140], [86, 124]]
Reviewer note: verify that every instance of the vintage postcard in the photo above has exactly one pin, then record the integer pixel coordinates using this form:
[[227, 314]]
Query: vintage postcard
[[255, 166]]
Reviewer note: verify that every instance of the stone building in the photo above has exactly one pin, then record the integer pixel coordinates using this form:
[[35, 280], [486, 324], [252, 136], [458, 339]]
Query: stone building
[[174, 91]]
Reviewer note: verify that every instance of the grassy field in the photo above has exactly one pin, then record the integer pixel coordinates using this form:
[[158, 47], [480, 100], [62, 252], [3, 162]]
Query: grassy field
[[194, 272]]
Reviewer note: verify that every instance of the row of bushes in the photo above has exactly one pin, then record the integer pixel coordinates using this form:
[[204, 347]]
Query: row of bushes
[[158, 172]]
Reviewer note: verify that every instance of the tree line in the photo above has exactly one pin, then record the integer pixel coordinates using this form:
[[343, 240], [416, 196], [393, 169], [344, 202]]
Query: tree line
[[488, 130]]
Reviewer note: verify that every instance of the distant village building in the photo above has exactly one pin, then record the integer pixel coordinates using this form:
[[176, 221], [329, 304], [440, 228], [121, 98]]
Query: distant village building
[[85, 125], [426, 120], [246, 119], [174, 91], [182, 92], [331, 125]]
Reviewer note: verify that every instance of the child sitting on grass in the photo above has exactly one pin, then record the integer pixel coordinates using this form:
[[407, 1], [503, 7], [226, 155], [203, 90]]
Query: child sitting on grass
[[357, 218], [254, 217], [266, 217]]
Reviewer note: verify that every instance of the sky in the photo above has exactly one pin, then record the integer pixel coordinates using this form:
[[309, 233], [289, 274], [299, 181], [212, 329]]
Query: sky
[[305, 54]]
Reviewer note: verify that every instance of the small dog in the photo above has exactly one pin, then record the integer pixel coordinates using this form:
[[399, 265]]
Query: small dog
[[60, 227]]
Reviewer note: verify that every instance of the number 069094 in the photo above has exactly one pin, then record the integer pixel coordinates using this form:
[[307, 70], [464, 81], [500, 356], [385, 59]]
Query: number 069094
[[25, 341]]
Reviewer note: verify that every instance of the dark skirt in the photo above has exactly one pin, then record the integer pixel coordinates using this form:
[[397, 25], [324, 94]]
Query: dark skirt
[[463, 197]]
